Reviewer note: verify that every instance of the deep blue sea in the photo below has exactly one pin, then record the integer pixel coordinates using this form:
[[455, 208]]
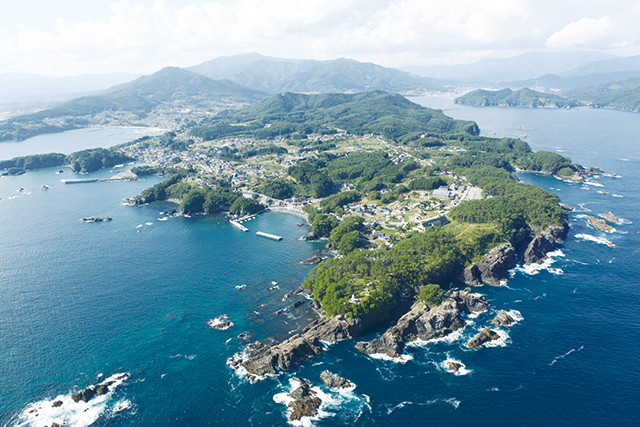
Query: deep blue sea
[[81, 302]]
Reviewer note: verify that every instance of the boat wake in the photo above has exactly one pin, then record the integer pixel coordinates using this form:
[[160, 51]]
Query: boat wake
[[573, 350]]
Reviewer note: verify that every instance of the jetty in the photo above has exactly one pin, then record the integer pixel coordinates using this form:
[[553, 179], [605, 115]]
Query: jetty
[[237, 224], [122, 176], [268, 236]]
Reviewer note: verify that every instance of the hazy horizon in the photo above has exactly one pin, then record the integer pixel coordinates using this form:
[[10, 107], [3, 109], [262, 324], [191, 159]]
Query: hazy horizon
[[142, 36]]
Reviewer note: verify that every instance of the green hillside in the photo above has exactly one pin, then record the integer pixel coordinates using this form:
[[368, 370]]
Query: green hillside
[[620, 94], [518, 98], [277, 75], [390, 115], [168, 89]]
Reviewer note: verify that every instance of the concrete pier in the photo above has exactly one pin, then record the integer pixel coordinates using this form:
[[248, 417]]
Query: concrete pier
[[240, 226], [268, 236]]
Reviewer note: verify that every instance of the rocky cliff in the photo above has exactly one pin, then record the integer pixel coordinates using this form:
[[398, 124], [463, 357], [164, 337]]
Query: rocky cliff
[[425, 324], [533, 243]]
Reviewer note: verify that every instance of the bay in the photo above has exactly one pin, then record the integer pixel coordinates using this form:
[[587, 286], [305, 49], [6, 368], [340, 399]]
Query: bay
[[72, 141], [85, 299]]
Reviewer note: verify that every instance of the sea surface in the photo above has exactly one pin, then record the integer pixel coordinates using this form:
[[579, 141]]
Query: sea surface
[[69, 142], [84, 302]]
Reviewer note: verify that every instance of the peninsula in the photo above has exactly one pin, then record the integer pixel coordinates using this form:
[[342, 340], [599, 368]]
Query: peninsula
[[417, 205]]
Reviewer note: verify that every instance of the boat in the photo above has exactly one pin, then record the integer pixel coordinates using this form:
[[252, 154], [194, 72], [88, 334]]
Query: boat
[[44, 187], [240, 287]]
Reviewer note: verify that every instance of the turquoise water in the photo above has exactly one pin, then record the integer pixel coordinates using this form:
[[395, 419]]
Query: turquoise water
[[84, 301]]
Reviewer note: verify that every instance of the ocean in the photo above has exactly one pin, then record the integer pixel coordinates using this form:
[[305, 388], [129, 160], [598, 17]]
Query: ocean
[[85, 302]]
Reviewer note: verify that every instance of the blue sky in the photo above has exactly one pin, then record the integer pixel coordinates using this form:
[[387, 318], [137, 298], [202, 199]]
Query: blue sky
[[70, 37]]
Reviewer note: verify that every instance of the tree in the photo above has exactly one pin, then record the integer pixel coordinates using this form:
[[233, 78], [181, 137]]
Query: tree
[[323, 224], [432, 295]]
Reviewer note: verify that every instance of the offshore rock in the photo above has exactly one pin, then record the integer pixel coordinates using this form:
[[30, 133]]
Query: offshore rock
[[260, 359], [85, 395], [600, 224], [493, 267], [455, 366], [485, 336], [309, 236], [305, 403], [609, 216], [313, 260], [333, 380], [502, 319], [425, 324]]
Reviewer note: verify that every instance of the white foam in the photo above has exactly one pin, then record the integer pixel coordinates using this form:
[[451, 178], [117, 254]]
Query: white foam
[[164, 218], [595, 184], [216, 322], [502, 341], [462, 370], [328, 400], [516, 316], [617, 195], [139, 225], [447, 339], [73, 414], [600, 240], [404, 358], [148, 223]]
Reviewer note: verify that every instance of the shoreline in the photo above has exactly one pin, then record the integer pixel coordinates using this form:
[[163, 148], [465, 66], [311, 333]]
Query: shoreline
[[290, 211]]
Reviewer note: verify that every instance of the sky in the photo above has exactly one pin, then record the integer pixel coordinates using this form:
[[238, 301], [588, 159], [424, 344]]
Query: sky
[[72, 37]]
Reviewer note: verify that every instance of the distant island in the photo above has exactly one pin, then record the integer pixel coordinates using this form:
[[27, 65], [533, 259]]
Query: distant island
[[515, 98], [620, 94]]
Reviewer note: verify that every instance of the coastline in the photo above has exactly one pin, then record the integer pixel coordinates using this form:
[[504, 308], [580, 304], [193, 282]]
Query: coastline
[[290, 211]]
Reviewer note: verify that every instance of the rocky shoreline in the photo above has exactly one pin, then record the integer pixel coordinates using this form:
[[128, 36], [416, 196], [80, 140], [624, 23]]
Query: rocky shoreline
[[419, 322], [533, 243]]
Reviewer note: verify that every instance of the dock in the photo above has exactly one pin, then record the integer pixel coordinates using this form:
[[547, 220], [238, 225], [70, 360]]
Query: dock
[[78, 181], [268, 236], [240, 226]]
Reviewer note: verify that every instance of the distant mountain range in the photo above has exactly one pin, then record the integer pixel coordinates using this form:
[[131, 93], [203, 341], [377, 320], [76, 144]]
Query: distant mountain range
[[526, 66], [276, 75], [142, 95], [586, 78]]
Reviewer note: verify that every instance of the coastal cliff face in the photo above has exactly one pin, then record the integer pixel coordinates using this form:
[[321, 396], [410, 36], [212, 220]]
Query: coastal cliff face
[[425, 324], [545, 241], [533, 243], [493, 267]]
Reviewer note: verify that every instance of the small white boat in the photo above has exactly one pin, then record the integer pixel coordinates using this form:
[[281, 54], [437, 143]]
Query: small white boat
[[240, 287]]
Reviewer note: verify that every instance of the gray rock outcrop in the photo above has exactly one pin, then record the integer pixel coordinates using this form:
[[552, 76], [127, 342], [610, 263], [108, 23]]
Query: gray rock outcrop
[[333, 380], [260, 359], [305, 403], [502, 319], [484, 336], [493, 267], [425, 324], [545, 241]]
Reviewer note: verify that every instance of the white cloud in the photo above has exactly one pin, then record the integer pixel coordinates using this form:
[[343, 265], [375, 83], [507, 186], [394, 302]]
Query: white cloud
[[585, 32], [144, 38]]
